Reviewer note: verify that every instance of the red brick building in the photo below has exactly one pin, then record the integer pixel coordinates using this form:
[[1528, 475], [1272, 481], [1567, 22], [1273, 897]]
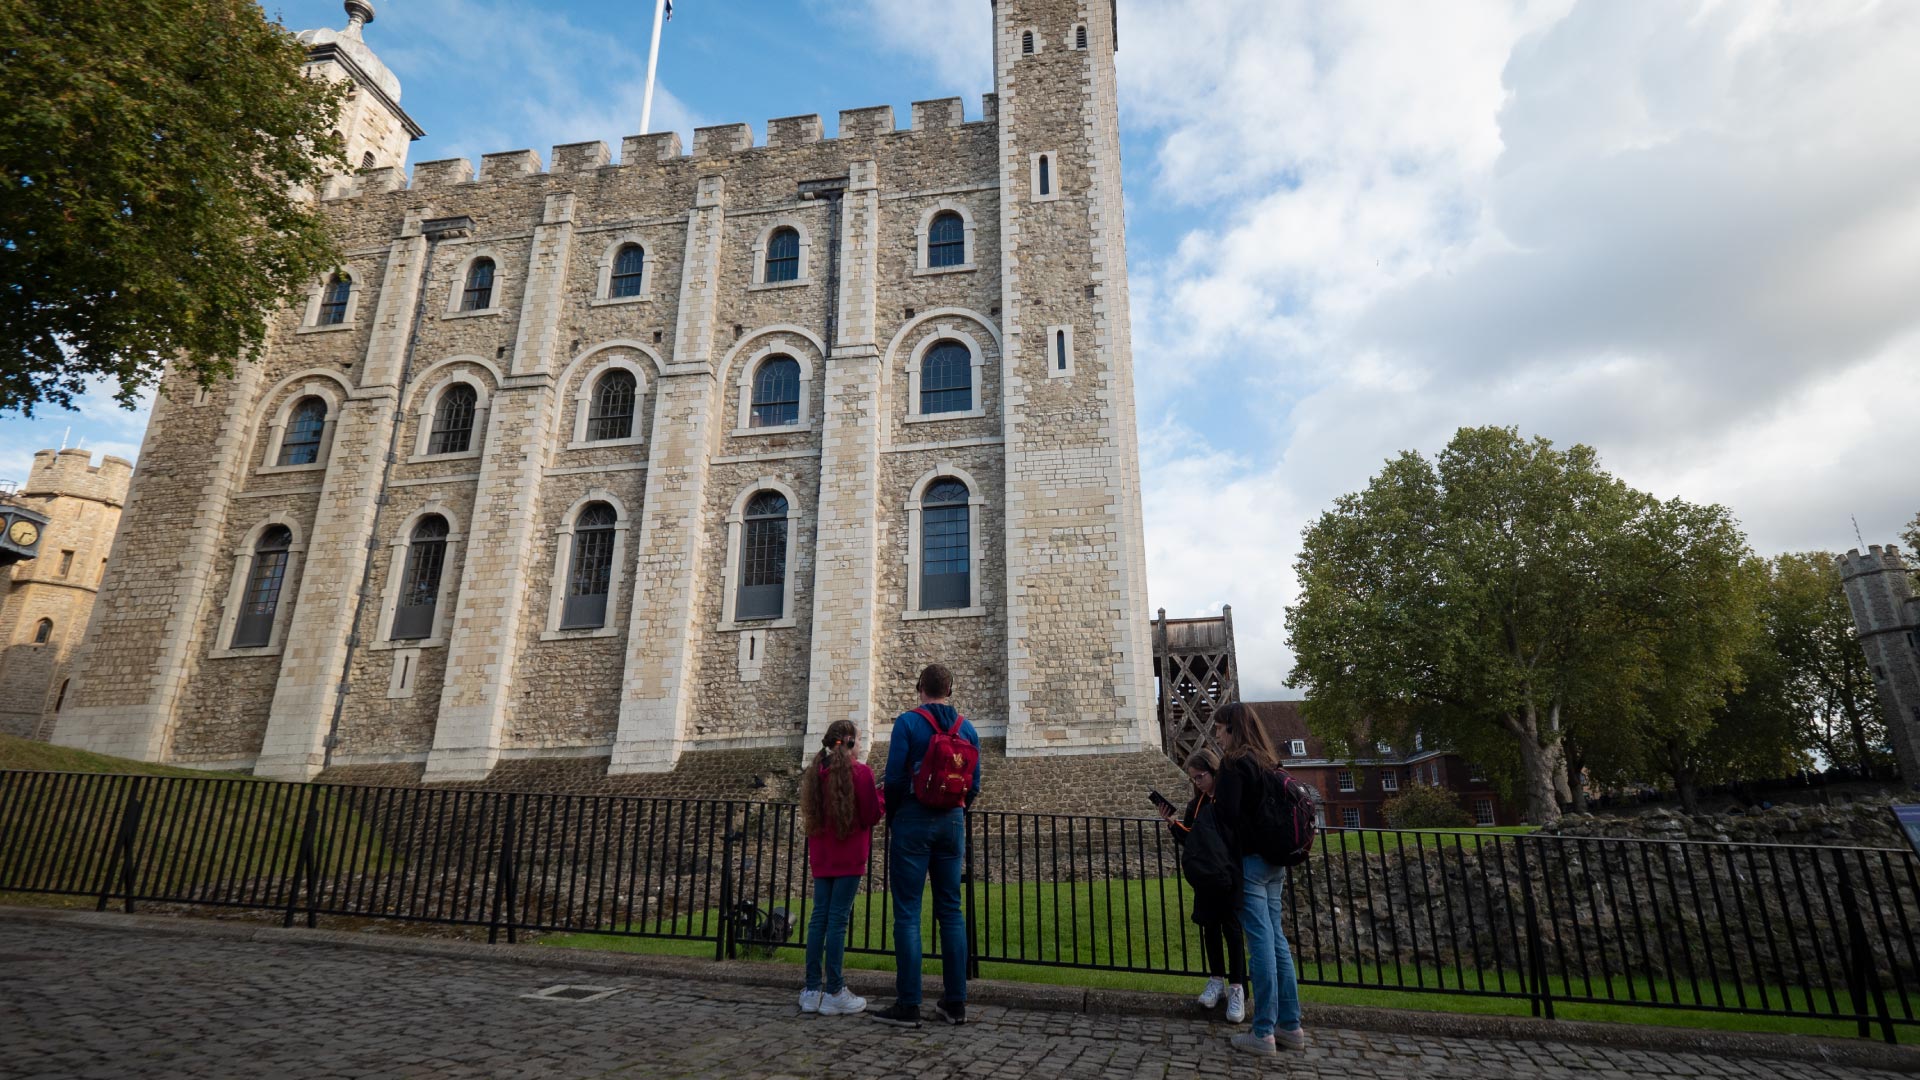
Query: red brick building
[[1354, 790]]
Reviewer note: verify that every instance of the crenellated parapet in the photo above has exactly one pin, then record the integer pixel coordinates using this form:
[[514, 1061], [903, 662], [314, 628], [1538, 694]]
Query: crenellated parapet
[[72, 473]]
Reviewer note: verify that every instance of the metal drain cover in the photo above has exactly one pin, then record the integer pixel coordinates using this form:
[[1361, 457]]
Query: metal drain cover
[[565, 992]]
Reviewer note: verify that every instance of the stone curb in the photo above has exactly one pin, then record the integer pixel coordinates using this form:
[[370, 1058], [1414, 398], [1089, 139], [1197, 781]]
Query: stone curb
[[1861, 1054]]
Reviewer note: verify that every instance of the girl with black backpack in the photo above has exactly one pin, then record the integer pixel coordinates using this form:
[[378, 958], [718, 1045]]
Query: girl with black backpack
[[1209, 866], [1248, 777]]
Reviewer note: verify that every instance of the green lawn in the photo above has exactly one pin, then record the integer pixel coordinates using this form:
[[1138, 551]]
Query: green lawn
[[31, 756]]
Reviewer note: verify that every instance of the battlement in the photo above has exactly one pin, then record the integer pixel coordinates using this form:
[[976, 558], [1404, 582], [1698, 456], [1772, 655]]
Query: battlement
[[1878, 559], [72, 473], [718, 141]]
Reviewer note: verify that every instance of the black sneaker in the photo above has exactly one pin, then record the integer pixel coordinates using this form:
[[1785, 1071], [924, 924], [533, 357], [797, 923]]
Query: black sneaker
[[899, 1015], [953, 1012]]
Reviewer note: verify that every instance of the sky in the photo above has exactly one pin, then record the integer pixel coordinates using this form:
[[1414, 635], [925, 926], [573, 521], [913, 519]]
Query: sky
[[1684, 232]]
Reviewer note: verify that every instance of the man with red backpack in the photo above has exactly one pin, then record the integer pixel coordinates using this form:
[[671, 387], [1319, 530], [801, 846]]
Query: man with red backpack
[[933, 775]]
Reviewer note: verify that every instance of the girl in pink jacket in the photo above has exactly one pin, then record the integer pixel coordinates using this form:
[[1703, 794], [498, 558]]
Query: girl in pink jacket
[[839, 805]]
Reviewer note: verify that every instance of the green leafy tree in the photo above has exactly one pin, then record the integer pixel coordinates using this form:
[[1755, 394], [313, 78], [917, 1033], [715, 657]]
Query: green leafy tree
[[1423, 806], [152, 158], [1810, 628], [1509, 593], [1912, 536]]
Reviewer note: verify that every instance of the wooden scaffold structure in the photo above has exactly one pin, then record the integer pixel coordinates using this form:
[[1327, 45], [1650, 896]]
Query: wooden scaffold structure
[[1194, 663]]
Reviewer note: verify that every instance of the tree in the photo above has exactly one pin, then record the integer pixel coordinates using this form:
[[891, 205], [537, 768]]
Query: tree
[[1423, 806], [1810, 627], [1912, 536], [1509, 593], [152, 159]]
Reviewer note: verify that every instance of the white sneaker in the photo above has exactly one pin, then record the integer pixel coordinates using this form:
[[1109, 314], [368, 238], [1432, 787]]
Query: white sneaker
[[844, 1003], [1211, 995], [809, 1001], [1236, 1004]]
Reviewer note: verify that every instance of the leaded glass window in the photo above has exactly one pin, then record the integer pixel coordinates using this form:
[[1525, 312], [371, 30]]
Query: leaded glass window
[[478, 295], [453, 420], [261, 600], [763, 559], [1026, 42], [946, 379], [628, 271], [333, 304], [43, 632], [420, 588], [590, 577], [783, 255], [611, 416], [300, 445], [776, 393], [945, 536], [947, 240]]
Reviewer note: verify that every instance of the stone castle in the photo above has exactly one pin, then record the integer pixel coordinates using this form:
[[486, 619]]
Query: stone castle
[[47, 600], [1886, 618], [693, 452]]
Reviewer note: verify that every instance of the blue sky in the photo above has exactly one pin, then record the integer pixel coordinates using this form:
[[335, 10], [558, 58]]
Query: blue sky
[[1685, 232]]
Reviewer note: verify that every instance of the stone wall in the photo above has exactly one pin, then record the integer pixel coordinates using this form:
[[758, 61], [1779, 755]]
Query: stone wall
[[1859, 824]]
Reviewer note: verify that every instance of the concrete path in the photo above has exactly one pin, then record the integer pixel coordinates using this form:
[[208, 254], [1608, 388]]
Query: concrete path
[[89, 1001]]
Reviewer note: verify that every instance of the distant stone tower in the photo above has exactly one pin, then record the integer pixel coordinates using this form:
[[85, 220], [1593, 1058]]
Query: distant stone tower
[[44, 612], [1887, 617]]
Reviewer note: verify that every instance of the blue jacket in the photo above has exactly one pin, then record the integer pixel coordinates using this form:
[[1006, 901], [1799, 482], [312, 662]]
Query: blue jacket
[[911, 737]]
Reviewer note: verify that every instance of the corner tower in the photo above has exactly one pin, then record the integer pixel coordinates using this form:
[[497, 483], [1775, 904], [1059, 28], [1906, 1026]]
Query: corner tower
[[1886, 619], [1079, 662], [375, 129]]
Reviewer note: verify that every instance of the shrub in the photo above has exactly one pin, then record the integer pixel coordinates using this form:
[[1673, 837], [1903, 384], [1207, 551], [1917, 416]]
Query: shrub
[[1427, 807]]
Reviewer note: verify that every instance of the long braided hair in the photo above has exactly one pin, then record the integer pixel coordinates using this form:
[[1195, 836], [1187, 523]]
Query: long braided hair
[[826, 791]]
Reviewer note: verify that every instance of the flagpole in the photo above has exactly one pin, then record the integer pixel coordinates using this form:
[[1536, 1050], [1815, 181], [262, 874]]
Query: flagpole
[[653, 60]]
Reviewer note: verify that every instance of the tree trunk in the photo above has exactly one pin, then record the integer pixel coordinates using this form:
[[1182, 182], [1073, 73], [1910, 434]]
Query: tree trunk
[[1856, 724], [1683, 785], [1537, 768], [1576, 783]]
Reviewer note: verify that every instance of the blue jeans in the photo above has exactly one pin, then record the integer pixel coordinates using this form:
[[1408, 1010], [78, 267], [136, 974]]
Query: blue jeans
[[923, 842], [827, 930], [1276, 992]]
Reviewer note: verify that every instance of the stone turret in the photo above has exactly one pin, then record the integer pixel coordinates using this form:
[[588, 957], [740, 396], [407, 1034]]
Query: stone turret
[[374, 127], [1886, 616], [48, 600]]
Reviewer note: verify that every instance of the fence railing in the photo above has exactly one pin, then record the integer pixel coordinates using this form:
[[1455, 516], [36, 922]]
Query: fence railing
[[1816, 933]]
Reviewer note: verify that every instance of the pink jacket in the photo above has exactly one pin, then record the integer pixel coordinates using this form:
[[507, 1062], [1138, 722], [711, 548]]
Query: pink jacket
[[833, 856]]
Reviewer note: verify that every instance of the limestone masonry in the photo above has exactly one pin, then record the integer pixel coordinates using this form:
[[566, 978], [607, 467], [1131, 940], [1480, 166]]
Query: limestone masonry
[[693, 452], [1886, 620], [47, 600]]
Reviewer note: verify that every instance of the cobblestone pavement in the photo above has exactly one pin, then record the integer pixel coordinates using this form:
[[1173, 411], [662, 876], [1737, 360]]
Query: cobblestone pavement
[[80, 1002]]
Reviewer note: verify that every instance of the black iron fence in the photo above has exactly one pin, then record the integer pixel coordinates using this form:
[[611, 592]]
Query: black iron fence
[[1817, 933]]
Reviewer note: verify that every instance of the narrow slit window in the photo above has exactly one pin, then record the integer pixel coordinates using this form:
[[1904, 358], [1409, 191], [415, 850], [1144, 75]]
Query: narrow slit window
[[1060, 349], [1026, 42], [453, 421], [1046, 174], [1079, 37]]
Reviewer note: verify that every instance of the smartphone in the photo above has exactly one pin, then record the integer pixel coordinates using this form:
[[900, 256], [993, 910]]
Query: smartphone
[[1158, 799]]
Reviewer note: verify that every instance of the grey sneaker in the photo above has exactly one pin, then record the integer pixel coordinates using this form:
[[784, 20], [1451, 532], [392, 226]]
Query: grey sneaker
[[1210, 996], [1292, 1040], [844, 1003], [809, 1001], [1248, 1042], [1236, 1004]]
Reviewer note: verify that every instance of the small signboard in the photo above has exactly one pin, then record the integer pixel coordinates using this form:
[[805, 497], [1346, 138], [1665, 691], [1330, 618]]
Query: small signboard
[[1908, 817]]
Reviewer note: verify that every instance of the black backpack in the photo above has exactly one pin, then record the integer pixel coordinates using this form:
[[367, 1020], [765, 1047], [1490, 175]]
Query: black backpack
[[1284, 826]]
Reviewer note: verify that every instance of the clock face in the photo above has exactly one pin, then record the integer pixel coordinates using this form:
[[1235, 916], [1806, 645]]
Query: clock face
[[24, 533]]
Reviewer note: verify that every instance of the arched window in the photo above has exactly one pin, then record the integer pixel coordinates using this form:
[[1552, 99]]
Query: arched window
[[43, 633], [611, 416], [947, 240], [783, 255], [1026, 42], [333, 304], [1060, 350], [776, 393], [1079, 37], [420, 589], [1046, 174], [453, 420], [366, 160], [946, 379], [300, 444], [945, 534], [479, 291], [590, 577], [763, 559], [61, 698], [628, 271], [261, 601]]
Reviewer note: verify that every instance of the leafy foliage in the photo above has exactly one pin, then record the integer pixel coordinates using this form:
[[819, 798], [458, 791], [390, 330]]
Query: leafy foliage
[[1423, 806], [152, 156], [1825, 673], [1509, 594]]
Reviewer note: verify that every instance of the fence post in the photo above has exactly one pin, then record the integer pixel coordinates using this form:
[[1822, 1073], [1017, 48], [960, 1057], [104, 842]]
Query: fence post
[[503, 879], [966, 884], [1536, 952], [723, 940], [1863, 975], [122, 855], [303, 867]]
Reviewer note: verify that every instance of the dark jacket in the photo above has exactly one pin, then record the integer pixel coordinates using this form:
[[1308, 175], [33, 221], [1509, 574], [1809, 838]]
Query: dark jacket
[[1206, 861], [1237, 790], [911, 737]]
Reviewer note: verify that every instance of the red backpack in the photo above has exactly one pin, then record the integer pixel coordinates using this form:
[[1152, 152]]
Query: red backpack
[[946, 772]]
